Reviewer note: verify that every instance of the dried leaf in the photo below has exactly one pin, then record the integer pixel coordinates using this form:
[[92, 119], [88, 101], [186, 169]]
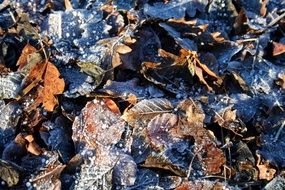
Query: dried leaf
[[93, 70], [123, 49], [227, 118], [9, 173], [281, 80], [147, 109], [199, 74], [97, 126], [278, 48], [53, 85], [158, 130], [265, 171], [161, 162], [28, 59]]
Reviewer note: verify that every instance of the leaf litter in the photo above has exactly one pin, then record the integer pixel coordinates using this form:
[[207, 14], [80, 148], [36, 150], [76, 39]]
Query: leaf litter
[[179, 94]]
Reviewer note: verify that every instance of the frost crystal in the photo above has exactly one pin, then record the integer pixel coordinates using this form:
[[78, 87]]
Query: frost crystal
[[10, 85]]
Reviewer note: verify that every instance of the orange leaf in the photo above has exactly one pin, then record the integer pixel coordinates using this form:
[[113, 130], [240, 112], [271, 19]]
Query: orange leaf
[[53, 85], [28, 49], [278, 48], [112, 106]]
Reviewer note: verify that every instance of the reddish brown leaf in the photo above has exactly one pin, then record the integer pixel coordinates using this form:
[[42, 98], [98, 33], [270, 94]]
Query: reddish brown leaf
[[53, 85], [112, 106], [278, 48], [97, 126]]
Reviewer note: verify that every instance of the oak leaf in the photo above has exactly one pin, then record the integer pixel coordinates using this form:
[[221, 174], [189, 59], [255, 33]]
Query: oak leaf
[[53, 85]]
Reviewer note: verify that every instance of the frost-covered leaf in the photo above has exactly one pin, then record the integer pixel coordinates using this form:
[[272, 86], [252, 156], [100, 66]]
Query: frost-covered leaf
[[158, 130], [9, 117], [146, 178], [49, 177], [276, 183], [204, 185], [147, 109], [131, 89], [124, 173], [57, 137], [10, 85], [77, 83], [97, 126], [173, 9]]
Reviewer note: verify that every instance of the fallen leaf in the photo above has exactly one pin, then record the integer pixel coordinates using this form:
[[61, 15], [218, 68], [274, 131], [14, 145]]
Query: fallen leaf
[[265, 170], [281, 80], [278, 48], [158, 130], [53, 85], [97, 126], [147, 109], [123, 49]]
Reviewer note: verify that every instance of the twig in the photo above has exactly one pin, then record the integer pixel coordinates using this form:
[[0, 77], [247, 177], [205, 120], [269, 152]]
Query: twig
[[276, 20], [191, 162], [279, 131]]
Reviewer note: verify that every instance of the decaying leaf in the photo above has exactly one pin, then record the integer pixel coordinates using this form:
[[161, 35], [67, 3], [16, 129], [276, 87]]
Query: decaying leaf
[[227, 118], [48, 178], [162, 162], [201, 185], [9, 173], [93, 70], [281, 80]]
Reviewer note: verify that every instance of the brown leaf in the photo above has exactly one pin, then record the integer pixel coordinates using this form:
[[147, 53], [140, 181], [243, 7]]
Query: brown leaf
[[278, 48], [112, 106], [227, 119], [265, 171], [263, 8], [199, 74], [145, 110], [68, 5], [26, 52], [157, 161], [123, 49], [33, 147], [201, 185], [53, 85], [158, 130], [281, 80]]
